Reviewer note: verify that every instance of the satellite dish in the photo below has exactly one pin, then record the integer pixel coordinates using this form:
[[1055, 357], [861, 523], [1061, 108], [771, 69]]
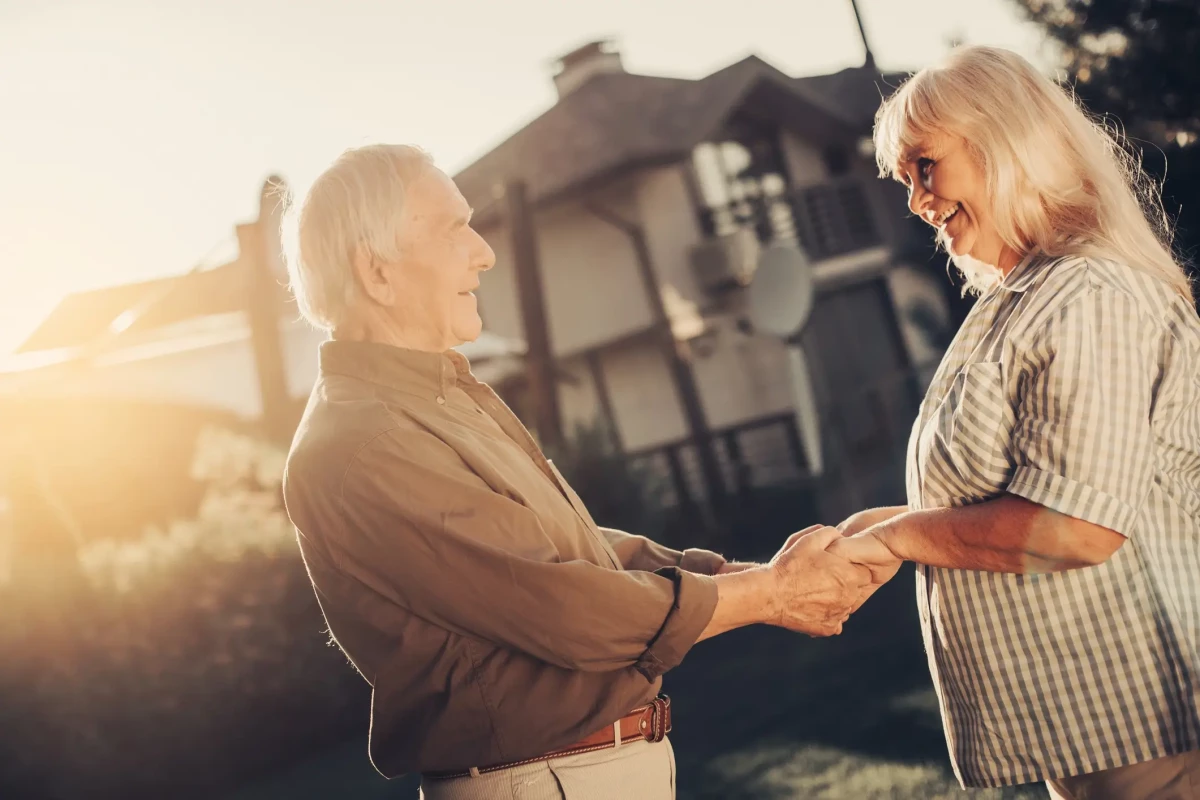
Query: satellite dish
[[780, 296], [780, 299]]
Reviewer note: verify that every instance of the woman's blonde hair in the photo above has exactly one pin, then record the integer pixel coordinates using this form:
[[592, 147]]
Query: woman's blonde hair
[[1060, 181]]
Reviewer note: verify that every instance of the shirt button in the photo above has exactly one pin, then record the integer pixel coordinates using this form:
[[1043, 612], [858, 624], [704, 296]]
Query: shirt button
[[441, 400]]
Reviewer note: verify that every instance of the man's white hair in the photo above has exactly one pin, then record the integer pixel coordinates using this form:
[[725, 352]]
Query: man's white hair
[[353, 206]]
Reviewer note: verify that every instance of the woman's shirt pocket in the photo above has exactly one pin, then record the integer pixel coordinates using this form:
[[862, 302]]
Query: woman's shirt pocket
[[964, 453]]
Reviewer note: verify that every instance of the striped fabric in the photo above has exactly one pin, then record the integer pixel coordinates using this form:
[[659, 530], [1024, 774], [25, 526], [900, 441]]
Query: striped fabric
[[1075, 384]]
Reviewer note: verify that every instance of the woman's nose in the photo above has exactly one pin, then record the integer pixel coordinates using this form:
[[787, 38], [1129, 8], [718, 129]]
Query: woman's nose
[[918, 199]]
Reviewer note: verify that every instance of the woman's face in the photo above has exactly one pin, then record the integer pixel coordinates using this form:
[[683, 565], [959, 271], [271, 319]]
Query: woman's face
[[947, 189]]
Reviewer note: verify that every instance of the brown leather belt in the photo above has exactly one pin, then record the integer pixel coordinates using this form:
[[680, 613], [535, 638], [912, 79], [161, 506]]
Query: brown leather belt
[[651, 722]]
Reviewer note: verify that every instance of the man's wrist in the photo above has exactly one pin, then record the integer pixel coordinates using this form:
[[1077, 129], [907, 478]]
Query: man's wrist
[[771, 604], [744, 598]]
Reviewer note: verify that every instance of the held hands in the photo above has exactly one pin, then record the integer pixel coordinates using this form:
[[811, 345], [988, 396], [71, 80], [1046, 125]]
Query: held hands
[[868, 550], [815, 589], [862, 544]]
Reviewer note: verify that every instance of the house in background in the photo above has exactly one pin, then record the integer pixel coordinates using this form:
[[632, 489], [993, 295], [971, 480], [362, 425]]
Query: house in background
[[651, 198]]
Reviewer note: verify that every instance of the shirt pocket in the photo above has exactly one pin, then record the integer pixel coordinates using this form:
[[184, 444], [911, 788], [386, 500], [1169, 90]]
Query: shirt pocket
[[964, 448]]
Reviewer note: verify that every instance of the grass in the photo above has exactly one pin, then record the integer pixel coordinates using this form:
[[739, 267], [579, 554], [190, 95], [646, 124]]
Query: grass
[[764, 714]]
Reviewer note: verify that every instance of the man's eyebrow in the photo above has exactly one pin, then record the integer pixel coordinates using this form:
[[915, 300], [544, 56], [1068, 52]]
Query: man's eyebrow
[[464, 219]]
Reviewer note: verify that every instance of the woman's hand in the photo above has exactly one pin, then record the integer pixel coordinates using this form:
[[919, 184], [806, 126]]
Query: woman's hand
[[868, 550]]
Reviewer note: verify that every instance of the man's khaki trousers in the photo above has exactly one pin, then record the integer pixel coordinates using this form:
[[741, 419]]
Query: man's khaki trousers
[[638, 769]]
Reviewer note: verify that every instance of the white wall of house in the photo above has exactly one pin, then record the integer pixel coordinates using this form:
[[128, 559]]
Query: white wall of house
[[590, 279], [646, 407], [740, 377], [669, 220]]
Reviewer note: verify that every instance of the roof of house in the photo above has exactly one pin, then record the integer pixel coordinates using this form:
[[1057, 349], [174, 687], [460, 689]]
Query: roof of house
[[95, 315], [620, 120]]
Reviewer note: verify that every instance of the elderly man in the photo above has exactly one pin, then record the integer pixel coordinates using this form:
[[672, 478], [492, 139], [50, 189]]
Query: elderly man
[[514, 647]]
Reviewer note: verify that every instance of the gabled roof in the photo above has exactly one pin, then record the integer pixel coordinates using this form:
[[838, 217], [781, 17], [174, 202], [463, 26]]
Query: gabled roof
[[620, 120], [93, 316], [856, 92]]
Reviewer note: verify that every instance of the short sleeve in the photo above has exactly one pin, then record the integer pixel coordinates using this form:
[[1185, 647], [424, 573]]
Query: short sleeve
[[1083, 444]]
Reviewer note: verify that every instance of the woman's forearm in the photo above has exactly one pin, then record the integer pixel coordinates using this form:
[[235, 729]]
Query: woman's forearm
[[859, 522], [1008, 534]]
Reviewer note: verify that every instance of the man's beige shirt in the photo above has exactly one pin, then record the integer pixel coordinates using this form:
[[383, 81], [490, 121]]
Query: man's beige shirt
[[461, 574]]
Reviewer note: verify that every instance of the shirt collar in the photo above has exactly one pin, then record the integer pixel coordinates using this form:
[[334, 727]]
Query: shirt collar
[[1022, 276], [416, 371]]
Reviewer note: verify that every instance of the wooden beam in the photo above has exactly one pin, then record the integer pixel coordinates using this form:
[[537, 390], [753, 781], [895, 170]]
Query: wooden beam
[[539, 357], [264, 308], [604, 397]]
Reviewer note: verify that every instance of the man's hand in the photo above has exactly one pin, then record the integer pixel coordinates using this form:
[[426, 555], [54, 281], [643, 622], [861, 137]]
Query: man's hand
[[815, 590], [730, 567], [868, 550]]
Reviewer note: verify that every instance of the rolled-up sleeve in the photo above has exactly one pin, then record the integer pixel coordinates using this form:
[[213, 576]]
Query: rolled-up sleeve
[[640, 553], [427, 534], [1082, 444]]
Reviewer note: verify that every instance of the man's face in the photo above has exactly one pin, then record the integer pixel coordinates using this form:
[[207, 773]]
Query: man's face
[[441, 258]]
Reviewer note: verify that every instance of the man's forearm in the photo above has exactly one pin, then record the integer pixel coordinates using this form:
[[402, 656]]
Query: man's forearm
[[1008, 534], [744, 597]]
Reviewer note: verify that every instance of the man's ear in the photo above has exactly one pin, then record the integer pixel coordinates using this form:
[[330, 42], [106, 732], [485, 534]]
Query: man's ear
[[372, 277]]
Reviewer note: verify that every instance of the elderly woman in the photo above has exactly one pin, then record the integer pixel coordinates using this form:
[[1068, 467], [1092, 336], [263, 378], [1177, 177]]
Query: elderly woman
[[1054, 468], [514, 648]]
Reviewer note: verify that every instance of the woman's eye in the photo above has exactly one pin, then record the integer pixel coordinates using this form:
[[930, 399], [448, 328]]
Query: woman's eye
[[924, 166]]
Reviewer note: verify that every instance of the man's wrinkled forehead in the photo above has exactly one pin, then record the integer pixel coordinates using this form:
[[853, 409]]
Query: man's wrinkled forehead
[[433, 197]]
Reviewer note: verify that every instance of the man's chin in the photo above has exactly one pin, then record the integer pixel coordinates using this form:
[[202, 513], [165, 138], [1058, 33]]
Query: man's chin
[[469, 332]]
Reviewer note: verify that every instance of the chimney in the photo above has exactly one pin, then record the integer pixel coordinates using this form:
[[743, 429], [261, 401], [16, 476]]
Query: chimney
[[578, 66]]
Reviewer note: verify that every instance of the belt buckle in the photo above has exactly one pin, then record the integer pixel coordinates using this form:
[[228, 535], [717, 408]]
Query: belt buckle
[[658, 718]]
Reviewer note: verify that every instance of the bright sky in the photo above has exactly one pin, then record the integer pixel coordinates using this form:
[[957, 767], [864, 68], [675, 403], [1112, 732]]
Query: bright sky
[[134, 134]]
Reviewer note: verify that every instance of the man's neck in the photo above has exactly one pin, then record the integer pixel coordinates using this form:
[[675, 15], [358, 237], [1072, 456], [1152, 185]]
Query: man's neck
[[361, 331]]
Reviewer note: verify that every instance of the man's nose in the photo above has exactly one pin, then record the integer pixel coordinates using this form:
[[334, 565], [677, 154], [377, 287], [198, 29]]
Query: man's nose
[[486, 258]]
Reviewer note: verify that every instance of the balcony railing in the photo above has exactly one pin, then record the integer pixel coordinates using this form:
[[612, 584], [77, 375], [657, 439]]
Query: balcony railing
[[864, 436], [826, 220]]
